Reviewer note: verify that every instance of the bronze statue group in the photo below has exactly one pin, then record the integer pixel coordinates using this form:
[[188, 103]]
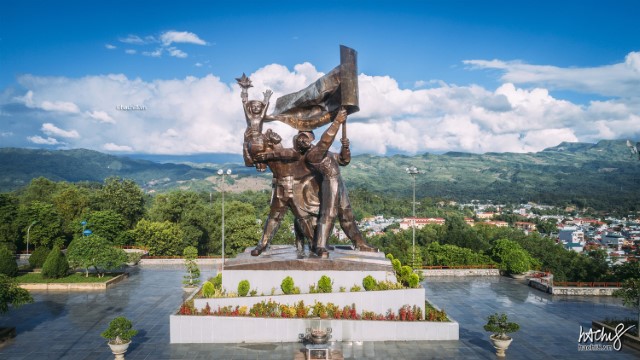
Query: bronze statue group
[[306, 178]]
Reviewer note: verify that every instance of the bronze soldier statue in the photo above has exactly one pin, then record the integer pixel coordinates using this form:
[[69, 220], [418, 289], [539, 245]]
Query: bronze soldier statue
[[335, 198], [295, 187]]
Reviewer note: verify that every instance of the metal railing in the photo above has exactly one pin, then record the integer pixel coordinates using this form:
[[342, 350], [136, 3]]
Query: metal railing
[[444, 267], [603, 284]]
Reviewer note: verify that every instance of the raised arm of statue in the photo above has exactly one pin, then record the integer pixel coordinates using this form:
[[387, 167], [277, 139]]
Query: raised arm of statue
[[345, 153], [302, 123], [278, 154], [319, 151]]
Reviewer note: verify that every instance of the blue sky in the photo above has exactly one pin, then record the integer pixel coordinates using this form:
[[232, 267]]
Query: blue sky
[[435, 76]]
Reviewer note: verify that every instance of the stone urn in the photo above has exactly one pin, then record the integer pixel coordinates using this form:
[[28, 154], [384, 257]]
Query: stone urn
[[119, 349], [501, 344]]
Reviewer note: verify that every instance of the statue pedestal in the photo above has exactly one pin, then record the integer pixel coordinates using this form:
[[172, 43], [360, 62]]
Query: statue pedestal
[[345, 268], [266, 272]]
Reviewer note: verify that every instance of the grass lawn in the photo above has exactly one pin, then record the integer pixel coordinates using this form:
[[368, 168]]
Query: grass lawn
[[73, 278]]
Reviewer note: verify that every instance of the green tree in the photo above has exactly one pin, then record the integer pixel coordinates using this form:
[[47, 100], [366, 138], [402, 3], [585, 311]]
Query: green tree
[[9, 232], [190, 211], [38, 257], [162, 238], [451, 255], [124, 197], [47, 229], [459, 233], [70, 202], [241, 227], [56, 265], [97, 252], [107, 224], [8, 265], [627, 270], [39, 189], [12, 294], [630, 295], [511, 257]]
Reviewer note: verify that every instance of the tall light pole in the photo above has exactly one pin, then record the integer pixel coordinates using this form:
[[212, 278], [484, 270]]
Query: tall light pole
[[222, 173], [413, 171], [29, 230]]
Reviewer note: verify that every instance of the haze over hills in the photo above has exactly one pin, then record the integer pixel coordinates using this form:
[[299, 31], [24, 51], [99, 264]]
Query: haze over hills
[[603, 175]]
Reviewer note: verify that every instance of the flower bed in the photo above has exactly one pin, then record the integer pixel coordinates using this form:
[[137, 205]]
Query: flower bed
[[272, 309]]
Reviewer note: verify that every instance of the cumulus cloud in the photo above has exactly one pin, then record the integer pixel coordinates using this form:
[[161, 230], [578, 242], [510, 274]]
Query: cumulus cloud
[[116, 148], [204, 114], [110, 47], [42, 141], [53, 130], [617, 80], [176, 52], [62, 106], [101, 116], [172, 36]]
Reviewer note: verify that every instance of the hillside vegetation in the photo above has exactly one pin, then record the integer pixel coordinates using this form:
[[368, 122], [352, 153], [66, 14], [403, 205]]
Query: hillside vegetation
[[602, 176]]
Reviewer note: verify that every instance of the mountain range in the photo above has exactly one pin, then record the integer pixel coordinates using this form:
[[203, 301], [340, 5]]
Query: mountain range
[[601, 175]]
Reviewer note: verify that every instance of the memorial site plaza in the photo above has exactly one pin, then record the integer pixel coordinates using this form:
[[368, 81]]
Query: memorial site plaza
[[67, 325]]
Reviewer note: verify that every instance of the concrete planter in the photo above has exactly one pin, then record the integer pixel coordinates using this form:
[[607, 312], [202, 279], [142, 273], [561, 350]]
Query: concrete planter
[[220, 329], [501, 345], [376, 301]]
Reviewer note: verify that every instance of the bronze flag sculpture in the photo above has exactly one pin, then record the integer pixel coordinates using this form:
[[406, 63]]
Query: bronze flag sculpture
[[306, 178]]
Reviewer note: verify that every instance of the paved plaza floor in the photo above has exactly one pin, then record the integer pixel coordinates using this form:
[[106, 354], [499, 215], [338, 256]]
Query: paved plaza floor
[[67, 325]]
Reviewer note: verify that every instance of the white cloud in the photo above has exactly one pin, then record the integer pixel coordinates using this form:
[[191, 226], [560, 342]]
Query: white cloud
[[156, 53], [198, 64], [6, 134], [53, 130], [173, 36], [110, 47], [114, 147], [62, 106], [133, 39], [204, 114], [618, 80], [42, 141], [130, 51], [177, 52], [101, 116]]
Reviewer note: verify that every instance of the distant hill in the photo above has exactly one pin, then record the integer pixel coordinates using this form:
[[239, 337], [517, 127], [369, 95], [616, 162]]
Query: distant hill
[[603, 175], [19, 166]]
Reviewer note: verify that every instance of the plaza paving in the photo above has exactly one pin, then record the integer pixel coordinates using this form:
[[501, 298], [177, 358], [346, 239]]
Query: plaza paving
[[63, 325]]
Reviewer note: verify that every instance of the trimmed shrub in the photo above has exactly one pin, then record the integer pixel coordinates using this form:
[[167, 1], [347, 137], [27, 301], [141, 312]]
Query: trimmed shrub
[[217, 281], [325, 285], [243, 287], [369, 283], [414, 280], [208, 289], [396, 265], [39, 256], [56, 265], [287, 285], [8, 264]]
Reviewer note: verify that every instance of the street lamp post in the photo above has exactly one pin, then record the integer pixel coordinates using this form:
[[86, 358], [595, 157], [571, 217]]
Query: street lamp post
[[28, 231], [413, 171], [222, 173]]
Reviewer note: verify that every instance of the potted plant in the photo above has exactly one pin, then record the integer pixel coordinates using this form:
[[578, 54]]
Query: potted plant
[[499, 325], [119, 334]]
